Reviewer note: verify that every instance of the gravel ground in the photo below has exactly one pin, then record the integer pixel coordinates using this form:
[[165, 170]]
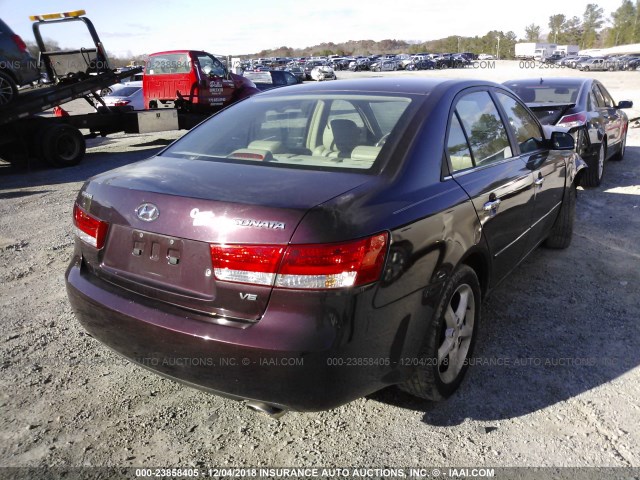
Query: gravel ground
[[556, 383]]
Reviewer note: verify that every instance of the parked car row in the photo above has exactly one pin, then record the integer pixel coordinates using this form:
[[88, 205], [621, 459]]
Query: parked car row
[[588, 63]]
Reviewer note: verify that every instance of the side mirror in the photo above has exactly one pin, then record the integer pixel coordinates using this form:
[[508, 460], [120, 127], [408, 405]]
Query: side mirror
[[562, 141], [625, 104]]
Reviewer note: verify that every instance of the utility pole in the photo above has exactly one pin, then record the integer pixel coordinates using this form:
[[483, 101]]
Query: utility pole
[[498, 49]]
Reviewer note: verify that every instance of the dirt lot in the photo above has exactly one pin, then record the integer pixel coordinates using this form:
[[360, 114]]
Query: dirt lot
[[557, 380]]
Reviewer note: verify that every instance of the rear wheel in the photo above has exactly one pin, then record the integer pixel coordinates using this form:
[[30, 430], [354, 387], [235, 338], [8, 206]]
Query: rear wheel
[[8, 89], [62, 145], [593, 176], [443, 359], [562, 231]]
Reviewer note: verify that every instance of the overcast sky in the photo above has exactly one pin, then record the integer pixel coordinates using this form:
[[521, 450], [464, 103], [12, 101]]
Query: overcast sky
[[248, 26]]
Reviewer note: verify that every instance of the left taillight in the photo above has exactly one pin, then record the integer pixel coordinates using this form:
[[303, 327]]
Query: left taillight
[[88, 228], [308, 266], [19, 42], [121, 103]]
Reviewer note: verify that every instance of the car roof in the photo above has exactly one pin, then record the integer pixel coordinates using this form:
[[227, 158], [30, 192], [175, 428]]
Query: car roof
[[553, 81], [390, 85], [168, 52]]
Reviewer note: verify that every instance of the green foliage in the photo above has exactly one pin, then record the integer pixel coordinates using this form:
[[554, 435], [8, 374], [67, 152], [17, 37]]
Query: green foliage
[[532, 33], [636, 24], [571, 32], [593, 18], [624, 25], [557, 24]]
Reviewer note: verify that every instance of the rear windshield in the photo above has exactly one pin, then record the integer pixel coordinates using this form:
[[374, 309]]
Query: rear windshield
[[168, 64], [124, 92], [259, 77], [547, 93], [328, 131]]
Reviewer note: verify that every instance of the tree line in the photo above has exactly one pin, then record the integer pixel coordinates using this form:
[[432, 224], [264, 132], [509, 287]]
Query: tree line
[[593, 30]]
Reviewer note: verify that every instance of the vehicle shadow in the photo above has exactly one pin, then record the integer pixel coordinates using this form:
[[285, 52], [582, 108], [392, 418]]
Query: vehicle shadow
[[530, 357], [563, 323], [94, 163]]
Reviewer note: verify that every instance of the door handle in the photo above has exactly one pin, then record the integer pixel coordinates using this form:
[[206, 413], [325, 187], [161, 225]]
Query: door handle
[[492, 205]]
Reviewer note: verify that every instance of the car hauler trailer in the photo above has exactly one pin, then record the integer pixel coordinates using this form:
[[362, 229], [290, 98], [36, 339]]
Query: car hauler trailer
[[26, 132]]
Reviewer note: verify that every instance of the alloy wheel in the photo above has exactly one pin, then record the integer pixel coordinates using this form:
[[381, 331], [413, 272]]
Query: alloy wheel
[[457, 333]]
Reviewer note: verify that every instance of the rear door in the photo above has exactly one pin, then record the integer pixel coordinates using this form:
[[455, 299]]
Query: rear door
[[500, 184], [548, 167], [614, 124]]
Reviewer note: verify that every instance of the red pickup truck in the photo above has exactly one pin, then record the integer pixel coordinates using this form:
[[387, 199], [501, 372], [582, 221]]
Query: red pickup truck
[[192, 79]]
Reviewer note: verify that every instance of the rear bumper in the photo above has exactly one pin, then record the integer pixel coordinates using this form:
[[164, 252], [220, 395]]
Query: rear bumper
[[292, 358]]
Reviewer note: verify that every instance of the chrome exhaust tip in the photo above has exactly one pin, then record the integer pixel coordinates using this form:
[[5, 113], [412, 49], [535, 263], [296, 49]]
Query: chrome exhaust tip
[[270, 410]]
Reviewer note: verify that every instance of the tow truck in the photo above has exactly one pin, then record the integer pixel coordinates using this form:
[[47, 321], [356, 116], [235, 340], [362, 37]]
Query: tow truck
[[27, 132]]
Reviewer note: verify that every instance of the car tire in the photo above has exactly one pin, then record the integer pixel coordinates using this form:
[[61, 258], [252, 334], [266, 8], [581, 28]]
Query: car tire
[[562, 231], [443, 359], [62, 146], [593, 175], [8, 89], [623, 147]]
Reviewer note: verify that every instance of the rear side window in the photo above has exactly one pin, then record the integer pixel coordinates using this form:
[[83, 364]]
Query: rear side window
[[484, 128], [526, 129], [457, 147], [597, 96]]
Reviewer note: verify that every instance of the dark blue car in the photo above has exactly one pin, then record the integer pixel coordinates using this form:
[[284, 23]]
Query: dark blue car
[[311, 245], [17, 66], [586, 108]]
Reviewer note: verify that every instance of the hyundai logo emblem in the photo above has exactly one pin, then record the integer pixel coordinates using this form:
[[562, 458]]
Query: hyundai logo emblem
[[147, 212]]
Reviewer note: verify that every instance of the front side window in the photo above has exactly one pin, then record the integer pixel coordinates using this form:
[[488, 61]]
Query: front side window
[[525, 127], [484, 128], [211, 66]]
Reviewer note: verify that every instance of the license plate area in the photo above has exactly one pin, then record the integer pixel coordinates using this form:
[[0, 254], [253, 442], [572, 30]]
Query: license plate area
[[171, 264]]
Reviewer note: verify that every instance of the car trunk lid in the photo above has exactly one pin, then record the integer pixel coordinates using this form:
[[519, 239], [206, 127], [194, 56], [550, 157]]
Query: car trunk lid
[[167, 255]]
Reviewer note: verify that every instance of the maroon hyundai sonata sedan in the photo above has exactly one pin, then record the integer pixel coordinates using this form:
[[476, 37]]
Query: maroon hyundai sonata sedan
[[316, 243]]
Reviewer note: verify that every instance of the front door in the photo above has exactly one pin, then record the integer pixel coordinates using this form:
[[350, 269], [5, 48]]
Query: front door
[[217, 87]]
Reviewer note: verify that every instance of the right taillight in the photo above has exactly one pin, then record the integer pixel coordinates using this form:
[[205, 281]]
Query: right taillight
[[89, 229], [309, 266], [573, 120]]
